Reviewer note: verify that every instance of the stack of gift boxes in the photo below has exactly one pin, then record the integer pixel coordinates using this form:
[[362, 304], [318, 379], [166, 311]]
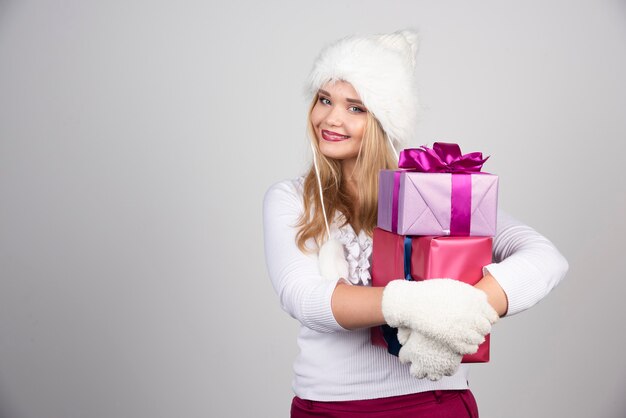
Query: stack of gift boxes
[[436, 219]]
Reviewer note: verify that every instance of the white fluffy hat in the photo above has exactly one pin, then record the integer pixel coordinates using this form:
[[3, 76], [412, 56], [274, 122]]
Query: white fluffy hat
[[381, 68]]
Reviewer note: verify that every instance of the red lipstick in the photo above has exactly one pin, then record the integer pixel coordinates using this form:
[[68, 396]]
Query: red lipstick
[[333, 136]]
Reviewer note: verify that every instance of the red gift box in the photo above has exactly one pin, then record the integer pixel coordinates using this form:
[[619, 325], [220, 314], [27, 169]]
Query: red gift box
[[459, 258]]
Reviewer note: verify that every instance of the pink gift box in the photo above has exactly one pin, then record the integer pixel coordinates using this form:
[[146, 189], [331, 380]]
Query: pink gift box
[[442, 204], [459, 258]]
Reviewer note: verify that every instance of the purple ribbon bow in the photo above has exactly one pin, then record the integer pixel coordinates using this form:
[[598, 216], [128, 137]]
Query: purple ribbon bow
[[443, 158]]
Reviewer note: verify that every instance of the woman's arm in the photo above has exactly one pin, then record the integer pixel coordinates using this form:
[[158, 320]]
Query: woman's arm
[[357, 306], [527, 266], [495, 294], [360, 307], [303, 292]]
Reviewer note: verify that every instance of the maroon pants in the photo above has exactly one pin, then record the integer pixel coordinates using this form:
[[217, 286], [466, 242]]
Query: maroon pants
[[435, 404]]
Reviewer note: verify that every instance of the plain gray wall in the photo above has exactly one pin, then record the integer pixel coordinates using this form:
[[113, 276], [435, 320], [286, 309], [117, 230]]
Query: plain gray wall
[[137, 139]]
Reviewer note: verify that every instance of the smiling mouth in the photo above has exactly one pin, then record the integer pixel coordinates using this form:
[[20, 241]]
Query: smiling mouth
[[333, 136]]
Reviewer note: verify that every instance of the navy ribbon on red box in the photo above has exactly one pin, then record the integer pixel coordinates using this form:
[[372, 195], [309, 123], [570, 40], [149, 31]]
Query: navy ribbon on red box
[[391, 334]]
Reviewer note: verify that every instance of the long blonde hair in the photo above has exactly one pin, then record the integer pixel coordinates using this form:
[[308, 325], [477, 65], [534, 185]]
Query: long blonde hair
[[374, 155]]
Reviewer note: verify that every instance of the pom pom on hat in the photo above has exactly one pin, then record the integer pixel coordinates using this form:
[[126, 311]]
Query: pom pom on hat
[[332, 260], [381, 68]]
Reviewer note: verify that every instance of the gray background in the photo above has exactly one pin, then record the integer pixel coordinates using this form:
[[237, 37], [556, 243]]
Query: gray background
[[137, 139]]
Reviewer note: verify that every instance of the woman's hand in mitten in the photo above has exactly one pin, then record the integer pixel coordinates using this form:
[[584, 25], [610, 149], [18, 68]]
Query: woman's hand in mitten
[[429, 358], [448, 311]]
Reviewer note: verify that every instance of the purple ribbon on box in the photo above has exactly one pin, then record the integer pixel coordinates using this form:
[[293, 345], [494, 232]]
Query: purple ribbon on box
[[443, 158]]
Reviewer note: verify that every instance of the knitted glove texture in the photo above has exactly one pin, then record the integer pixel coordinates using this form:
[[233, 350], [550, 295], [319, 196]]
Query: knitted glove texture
[[449, 311], [428, 357]]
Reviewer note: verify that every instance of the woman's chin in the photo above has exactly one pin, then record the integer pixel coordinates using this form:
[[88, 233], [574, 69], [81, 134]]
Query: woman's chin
[[336, 151], [339, 155]]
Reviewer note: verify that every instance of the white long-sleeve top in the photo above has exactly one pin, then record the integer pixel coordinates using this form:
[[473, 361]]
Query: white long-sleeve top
[[336, 364]]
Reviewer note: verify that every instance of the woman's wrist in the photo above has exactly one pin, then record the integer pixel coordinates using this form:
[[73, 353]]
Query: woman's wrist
[[357, 306], [495, 294]]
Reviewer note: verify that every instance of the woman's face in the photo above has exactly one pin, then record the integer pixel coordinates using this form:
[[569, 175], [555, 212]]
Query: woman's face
[[338, 119]]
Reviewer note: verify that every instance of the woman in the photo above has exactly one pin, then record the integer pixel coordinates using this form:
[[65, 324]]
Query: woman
[[318, 246]]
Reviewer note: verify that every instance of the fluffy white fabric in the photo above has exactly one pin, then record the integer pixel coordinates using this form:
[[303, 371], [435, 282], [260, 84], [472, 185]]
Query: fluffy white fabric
[[449, 311], [332, 260], [428, 357], [381, 68]]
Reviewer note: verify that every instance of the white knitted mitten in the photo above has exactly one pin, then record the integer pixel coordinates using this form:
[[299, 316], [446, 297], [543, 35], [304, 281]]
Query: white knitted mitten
[[448, 311], [428, 357], [332, 260]]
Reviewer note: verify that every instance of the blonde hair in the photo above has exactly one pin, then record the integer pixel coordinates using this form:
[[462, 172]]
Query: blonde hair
[[374, 155]]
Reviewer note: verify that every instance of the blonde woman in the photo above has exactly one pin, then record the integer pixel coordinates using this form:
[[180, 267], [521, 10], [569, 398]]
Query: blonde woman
[[318, 244]]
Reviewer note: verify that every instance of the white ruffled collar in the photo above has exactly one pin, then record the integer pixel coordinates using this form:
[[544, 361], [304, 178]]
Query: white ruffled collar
[[357, 250]]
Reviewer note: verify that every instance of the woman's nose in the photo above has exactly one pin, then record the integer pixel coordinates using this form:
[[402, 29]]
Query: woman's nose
[[333, 118]]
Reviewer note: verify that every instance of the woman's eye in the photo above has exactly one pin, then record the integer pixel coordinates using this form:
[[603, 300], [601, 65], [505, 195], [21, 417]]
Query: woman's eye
[[324, 100], [356, 109]]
